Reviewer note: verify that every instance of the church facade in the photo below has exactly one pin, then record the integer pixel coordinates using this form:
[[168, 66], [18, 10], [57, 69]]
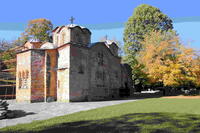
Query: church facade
[[71, 69]]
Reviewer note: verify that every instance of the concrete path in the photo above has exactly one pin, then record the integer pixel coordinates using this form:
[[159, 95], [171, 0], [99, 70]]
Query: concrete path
[[39, 111]]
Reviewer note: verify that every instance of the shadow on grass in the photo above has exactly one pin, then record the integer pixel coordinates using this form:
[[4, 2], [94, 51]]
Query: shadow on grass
[[134, 123]]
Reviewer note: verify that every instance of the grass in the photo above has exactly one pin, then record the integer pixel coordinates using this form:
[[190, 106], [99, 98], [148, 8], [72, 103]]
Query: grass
[[156, 115]]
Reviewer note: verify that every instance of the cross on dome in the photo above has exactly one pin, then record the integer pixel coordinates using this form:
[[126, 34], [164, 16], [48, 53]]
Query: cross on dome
[[72, 20]]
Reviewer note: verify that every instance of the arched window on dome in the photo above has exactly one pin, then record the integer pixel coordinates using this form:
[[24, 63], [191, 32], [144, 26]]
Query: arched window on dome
[[63, 38]]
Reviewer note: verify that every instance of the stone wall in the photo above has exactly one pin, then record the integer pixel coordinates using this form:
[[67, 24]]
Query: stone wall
[[96, 74], [105, 79], [63, 78], [37, 75], [51, 75], [79, 74]]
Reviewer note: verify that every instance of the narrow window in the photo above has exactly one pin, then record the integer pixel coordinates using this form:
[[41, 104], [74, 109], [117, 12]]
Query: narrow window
[[20, 80], [104, 76], [23, 79], [81, 69], [63, 38], [97, 75], [100, 58], [58, 83], [116, 74], [57, 39]]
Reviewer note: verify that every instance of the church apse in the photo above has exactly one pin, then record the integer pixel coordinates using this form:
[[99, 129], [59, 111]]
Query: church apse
[[30, 76], [23, 77]]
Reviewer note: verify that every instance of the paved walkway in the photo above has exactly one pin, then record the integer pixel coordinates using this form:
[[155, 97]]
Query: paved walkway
[[40, 111]]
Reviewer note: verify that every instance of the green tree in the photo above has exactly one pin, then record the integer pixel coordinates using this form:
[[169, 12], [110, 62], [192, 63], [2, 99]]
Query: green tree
[[5, 54], [38, 29], [145, 19]]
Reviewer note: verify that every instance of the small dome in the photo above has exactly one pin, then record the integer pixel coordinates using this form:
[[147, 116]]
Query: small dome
[[75, 25], [48, 45]]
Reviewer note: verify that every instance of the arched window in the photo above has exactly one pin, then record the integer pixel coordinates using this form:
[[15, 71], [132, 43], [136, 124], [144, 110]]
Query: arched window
[[79, 40], [20, 79], [26, 74], [19, 75], [23, 82], [57, 40], [23, 74], [100, 58], [81, 69]]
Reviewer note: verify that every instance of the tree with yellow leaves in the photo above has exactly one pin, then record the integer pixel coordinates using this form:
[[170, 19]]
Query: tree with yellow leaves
[[167, 61], [37, 29]]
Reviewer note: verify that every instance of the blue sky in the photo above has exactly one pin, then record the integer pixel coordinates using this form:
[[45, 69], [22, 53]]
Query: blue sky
[[89, 11], [102, 12]]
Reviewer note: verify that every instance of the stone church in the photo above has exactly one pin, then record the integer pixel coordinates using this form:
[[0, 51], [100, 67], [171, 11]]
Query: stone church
[[71, 68]]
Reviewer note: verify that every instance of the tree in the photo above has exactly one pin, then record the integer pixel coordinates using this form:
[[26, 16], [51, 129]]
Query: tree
[[145, 19], [37, 29], [139, 77], [196, 70], [167, 61], [190, 60], [5, 45], [5, 54]]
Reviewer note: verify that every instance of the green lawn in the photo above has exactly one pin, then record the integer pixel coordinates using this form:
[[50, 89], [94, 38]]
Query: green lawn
[[156, 115]]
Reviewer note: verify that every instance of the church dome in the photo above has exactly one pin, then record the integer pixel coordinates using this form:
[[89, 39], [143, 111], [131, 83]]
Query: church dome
[[48, 45]]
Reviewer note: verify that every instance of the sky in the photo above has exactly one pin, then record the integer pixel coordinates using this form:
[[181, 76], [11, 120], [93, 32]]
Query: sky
[[89, 11], [102, 12]]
